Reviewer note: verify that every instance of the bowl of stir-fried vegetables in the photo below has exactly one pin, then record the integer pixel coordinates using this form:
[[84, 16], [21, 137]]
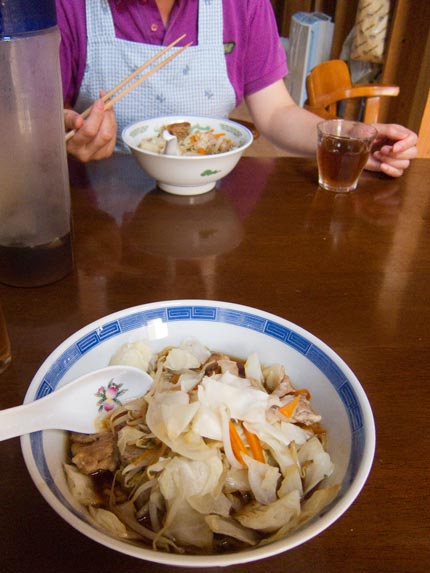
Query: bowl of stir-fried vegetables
[[205, 149], [254, 437]]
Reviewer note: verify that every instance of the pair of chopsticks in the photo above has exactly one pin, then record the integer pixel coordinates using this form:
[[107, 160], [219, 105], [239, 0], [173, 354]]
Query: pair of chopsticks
[[111, 94]]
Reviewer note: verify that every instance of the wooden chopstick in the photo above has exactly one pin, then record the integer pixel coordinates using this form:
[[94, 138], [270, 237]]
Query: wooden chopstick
[[128, 89], [107, 97]]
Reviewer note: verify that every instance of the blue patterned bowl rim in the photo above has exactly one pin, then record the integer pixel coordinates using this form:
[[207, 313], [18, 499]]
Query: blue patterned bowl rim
[[317, 352]]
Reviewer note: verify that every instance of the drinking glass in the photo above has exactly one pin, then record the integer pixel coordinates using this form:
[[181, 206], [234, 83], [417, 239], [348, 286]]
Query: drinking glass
[[342, 152]]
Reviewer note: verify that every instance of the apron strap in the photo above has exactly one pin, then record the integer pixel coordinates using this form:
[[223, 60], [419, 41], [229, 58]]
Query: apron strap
[[100, 24], [210, 22]]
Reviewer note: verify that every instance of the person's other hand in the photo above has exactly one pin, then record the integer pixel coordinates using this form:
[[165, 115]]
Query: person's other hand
[[392, 150], [95, 136]]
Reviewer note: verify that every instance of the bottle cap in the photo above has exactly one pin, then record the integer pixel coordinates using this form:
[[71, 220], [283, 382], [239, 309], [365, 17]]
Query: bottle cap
[[23, 16]]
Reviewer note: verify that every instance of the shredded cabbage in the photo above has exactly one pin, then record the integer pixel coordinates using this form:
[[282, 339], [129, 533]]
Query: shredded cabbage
[[137, 354], [207, 461]]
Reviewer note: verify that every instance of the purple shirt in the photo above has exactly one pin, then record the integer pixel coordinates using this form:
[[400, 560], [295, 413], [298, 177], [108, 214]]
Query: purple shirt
[[256, 60]]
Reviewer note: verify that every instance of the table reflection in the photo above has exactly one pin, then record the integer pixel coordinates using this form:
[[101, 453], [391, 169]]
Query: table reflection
[[139, 230], [176, 229], [115, 185], [339, 213]]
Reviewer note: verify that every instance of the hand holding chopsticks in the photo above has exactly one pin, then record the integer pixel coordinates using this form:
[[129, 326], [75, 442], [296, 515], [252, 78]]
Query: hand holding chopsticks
[[114, 95]]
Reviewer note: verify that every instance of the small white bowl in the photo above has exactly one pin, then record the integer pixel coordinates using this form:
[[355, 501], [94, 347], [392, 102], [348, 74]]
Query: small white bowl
[[236, 330], [186, 174]]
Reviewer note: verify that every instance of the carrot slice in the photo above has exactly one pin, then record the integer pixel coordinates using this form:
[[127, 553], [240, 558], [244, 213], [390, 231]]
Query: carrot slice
[[303, 391], [151, 452], [255, 445], [237, 445], [288, 409]]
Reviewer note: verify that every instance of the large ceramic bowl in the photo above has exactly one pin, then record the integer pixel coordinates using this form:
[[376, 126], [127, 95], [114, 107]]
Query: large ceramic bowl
[[236, 330], [187, 174]]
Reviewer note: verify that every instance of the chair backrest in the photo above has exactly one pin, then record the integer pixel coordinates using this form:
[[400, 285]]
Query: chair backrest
[[330, 90]]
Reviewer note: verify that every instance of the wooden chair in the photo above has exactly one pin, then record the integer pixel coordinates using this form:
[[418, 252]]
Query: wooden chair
[[331, 93]]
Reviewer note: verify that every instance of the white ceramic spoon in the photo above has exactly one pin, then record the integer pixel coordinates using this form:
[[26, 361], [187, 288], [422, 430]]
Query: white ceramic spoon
[[171, 143], [77, 405]]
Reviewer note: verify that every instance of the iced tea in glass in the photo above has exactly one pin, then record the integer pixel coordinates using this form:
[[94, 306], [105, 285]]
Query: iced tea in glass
[[342, 152]]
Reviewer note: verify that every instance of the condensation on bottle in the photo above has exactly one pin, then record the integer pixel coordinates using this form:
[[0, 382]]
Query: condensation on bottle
[[35, 211]]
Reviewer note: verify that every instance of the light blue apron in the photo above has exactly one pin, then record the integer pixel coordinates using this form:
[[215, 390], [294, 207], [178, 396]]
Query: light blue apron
[[194, 83]]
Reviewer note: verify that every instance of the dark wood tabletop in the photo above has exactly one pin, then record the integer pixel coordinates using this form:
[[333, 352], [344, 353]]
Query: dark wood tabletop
[[354, 270]]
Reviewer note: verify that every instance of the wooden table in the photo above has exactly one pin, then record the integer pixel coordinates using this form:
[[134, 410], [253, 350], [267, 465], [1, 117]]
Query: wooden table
[[354, 270]]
